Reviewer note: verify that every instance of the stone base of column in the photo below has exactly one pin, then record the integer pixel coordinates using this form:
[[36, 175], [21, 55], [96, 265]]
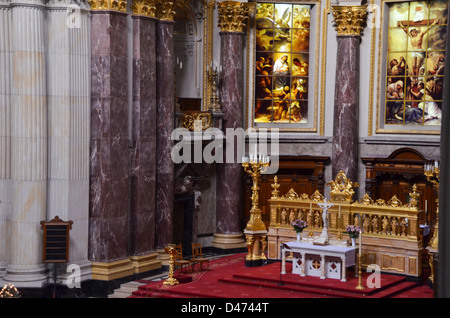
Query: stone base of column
[[84, 271], [112, 270], [26, 276], [163, 257], [145, 263], [228, 241]]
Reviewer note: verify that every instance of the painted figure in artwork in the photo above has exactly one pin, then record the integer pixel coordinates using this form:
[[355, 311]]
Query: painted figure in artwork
[[416, 37]]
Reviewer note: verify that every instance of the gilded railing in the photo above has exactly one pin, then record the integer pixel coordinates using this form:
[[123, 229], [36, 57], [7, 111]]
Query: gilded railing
[[391, 238], [379, 218]]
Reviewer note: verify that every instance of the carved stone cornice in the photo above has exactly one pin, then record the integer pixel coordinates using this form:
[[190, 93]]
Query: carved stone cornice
[[350, 20], [145, 8], [233, 14], [108, 5]]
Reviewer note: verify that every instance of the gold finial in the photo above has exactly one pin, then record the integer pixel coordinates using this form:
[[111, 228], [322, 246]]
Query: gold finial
[[110, 5], [366, 200], [350, 20], [145, 8], [395, 202], [317, 196], [275, 187], [291, 195], [414, 197], [233, 14]]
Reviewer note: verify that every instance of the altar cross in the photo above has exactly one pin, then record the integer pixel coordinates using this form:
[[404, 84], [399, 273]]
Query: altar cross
[[325, 206]]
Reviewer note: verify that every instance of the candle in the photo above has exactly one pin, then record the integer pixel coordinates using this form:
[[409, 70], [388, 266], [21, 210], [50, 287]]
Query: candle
[[360, 241], [426, 203], [436, 164]]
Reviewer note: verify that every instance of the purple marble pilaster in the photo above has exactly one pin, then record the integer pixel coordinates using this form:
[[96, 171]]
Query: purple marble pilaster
[[346, 108], [143, 135], [109, 172], [165, 112], [229, 175]]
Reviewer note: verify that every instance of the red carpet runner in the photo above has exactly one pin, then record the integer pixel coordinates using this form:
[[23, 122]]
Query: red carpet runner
[[229, 278]]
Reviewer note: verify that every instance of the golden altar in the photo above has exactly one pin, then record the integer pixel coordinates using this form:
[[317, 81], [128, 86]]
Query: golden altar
[[391, 237]]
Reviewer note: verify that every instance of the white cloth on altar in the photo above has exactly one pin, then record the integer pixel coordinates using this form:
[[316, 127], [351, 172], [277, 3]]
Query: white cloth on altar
[[349, 252]]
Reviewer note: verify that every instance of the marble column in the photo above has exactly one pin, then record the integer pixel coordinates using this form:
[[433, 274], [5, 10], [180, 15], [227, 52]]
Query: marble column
[[165, 112], [442, 280], [28, 145], [5, 131], [349, 21], [68, 94], [109, 157], [229, 202], [143, 138]]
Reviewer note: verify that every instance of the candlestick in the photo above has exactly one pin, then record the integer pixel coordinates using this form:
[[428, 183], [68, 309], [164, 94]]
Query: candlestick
[[360, 285]]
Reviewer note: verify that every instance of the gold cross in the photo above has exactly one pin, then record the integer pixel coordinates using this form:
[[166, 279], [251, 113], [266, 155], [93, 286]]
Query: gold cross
[[316, 264]]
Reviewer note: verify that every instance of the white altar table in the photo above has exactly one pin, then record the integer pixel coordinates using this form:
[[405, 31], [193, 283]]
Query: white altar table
[[326, 261]]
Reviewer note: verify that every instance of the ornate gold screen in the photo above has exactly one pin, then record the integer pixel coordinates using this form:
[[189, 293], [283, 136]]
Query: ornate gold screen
[[391, 232]]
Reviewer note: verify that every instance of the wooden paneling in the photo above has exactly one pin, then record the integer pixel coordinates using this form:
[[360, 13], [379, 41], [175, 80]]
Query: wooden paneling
[[396, 175]]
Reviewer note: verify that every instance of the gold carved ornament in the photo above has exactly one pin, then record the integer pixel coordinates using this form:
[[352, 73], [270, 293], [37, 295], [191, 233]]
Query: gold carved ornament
[[350, 20], [113, 5], [342, 188], [165, 10], [145, 8], [233, 14], [196, 121]]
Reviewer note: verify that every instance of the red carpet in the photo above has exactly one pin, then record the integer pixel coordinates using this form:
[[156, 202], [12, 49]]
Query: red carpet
[[229, 278]]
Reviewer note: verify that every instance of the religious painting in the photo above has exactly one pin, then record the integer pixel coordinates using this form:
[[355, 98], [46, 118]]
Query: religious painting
[[415, 62], [282, 63]]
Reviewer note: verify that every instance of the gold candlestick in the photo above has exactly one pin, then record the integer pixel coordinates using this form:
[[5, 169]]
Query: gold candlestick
[[432, 174], [213, 76], [360, 285], [255, 230], [172, 252], [254, 167]]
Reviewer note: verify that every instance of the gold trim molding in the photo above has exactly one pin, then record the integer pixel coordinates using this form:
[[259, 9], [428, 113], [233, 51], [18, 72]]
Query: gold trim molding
[[145, 263], [112, 270], [350, 20], [108, 5], [145, 8], [233, 15]]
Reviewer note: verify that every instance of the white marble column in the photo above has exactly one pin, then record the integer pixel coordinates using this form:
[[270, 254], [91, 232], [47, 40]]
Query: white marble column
[[28, 145], [68, 98], [5, 130]]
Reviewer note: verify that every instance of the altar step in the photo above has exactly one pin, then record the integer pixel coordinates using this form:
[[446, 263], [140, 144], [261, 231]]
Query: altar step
[[389, 290], [230, 278]]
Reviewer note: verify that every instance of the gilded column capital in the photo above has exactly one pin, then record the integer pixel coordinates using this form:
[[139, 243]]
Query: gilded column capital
[[233, 14], [145, 8], [108, 5], [350, 20], [165, 10]]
